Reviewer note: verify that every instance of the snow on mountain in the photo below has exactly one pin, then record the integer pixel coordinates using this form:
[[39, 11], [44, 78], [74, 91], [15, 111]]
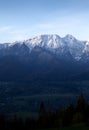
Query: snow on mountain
[[14, 43], [75, 46], [48, 41], [55, 44], [86, 47]]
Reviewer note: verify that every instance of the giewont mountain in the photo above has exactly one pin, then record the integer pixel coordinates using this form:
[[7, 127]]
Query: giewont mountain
[[46, 57]]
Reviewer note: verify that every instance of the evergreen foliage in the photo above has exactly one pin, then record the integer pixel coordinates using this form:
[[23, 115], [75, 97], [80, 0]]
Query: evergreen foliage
[[72, 115]]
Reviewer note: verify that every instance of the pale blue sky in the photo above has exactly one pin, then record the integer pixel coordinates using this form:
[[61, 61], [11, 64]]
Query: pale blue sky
[[23, 19]]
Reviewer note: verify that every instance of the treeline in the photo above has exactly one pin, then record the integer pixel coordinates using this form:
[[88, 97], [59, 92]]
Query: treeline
[[72, 115]]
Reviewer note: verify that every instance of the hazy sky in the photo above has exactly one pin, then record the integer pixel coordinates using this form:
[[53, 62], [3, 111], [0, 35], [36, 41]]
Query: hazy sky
[[23, 19]]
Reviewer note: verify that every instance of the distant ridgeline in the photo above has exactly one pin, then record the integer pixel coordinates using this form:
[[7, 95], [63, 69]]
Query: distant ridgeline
[[44, 58]]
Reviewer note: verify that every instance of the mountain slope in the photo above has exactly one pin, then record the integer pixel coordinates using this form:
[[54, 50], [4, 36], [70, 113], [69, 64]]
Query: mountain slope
[[45, 57], [53, 43]]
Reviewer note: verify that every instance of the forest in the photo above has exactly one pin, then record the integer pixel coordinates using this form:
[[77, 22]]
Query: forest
[[47, 118]]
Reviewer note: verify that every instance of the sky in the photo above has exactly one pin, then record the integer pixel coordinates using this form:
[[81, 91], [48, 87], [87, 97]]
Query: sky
[[24, 19]]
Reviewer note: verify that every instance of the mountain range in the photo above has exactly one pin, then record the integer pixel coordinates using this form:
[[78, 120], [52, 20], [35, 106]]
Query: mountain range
[[43, 58]]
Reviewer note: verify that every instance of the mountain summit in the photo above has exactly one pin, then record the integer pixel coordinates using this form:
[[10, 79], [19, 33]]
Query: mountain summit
[[45, 57], [52, 43]]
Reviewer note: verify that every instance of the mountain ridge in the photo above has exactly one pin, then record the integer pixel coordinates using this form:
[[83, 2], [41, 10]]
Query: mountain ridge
[[45, 57], [55, 44]]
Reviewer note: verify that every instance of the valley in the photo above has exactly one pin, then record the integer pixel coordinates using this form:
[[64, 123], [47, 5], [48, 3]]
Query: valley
[[26, 97]]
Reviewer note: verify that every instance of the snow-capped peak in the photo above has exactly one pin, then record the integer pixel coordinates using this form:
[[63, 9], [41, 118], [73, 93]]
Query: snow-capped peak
[[56, 44], [70, 37], [48, 41]]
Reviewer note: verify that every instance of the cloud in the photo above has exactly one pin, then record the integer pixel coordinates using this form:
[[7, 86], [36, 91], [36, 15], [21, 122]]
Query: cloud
[[76, 25], [44, 26], [12, 33], [5, 28]]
